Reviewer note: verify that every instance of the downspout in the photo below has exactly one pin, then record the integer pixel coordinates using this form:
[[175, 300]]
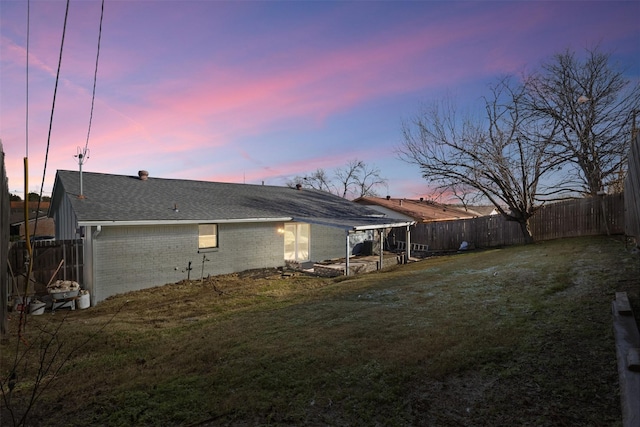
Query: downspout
[[97, 232], [89, 272]]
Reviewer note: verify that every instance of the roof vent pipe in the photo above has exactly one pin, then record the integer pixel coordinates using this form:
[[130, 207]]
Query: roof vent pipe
[[143, 175]]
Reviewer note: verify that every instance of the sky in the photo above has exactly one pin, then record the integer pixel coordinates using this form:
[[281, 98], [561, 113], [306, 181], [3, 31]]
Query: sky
[[262, 91]]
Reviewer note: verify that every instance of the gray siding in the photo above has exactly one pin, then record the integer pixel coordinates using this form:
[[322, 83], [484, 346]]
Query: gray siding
[[65, 219], [129, 258], [132, 258], [327, 243]]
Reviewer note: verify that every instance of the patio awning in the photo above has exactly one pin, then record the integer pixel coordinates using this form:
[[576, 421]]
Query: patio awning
[[353, 225], [357, 224]]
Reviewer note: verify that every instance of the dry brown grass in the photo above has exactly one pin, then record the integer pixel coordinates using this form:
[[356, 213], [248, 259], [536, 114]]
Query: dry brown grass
[[514, 336]]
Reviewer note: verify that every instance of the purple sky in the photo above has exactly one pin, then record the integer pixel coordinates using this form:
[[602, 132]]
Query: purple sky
[[263, 91]]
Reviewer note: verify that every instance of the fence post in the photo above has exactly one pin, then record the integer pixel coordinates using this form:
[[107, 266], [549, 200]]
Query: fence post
[[4, 246]]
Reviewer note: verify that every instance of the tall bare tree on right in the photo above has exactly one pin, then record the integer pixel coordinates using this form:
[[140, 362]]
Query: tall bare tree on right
[[503, 158], [594, 106]]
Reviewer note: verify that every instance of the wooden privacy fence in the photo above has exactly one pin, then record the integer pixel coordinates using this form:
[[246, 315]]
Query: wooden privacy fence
[[582, 217], [632, 190], [4, 248], [572, 218], [47, 256]]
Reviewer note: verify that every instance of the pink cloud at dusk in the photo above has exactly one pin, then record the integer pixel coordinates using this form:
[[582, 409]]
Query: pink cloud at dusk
[[263, 91], [302, 91]]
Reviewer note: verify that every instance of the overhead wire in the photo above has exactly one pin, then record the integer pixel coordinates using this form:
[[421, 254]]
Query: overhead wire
[[22, 318], [26, 150], [26, 159], [26, 142], [55, 91], [22, 321], [95, 78]]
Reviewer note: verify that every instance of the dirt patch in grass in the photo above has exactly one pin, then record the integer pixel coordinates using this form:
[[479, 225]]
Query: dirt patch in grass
[[513, 336]]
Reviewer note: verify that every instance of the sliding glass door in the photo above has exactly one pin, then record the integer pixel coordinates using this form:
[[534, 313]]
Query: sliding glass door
[[296, 242]]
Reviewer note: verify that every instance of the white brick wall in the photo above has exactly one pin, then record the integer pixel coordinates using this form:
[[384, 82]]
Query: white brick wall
[[128, 258], [131, 258], [327, 243]]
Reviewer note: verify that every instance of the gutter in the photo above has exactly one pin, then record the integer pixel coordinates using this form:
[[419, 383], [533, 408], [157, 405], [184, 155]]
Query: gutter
[[183, 221], [244, 220], [389, 225]]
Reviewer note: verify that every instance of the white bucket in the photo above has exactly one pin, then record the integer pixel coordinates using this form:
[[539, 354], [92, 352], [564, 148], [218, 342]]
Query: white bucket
[[83, 301], [37, 308]]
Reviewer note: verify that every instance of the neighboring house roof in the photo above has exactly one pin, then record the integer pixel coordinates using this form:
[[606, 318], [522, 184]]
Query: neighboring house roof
[[419, 210], [123, 199], [483, 210], [17, 211]]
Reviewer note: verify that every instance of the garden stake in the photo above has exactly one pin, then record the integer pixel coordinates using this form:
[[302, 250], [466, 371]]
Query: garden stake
[[204, 258]]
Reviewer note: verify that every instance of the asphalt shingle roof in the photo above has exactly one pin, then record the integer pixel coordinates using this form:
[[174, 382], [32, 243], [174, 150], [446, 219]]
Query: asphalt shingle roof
[[420, 210], [122, 198]]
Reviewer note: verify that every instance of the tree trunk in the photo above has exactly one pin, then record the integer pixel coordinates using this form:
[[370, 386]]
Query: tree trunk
[[526, 231]]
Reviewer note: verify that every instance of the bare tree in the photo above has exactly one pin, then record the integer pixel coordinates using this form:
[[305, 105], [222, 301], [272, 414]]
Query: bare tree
[[37, 363], [504, 160], [347, 177], [465, 194], [593, 105], [369, 180], [318, 180], [355, 179]]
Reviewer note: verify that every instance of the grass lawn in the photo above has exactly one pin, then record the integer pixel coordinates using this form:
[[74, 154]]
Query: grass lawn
[[502, 337]]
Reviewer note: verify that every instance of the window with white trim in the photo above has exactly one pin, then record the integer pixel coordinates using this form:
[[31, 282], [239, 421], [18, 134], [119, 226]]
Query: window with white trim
[[296, 241], [207, 236]]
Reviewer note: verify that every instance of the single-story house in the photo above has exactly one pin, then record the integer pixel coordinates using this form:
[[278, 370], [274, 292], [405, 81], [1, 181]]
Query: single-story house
[[140, 231], [483, 210], [44, 226]]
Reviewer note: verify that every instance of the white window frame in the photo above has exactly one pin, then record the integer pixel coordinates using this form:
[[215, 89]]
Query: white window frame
[[206, 239], [297, 250]]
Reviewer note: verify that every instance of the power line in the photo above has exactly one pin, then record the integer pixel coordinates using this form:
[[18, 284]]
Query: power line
[[95, 78], [83, 155], [55, 91], [26, 148]]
